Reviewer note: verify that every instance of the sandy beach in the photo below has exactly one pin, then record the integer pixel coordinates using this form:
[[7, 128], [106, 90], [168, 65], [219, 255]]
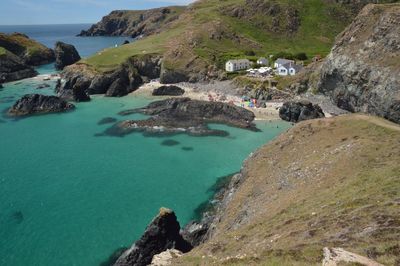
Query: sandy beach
[[209, 93]]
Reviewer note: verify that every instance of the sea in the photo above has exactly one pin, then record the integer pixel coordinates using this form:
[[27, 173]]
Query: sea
[[70, 196]]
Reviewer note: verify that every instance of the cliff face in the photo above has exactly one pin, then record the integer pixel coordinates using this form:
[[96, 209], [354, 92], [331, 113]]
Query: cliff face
[[361, 74], [30, 51], [13, 68], [133, 23], [79, 81], [324, 183]]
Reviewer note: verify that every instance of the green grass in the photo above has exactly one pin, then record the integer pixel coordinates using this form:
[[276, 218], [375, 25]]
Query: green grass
[[321, 21], [2, 51]]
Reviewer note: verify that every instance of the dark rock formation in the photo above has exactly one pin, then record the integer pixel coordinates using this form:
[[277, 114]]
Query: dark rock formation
[[169, 76], [183, 115], [161, 234], [29, 51], [42, 86], [196, 232], [13, 68], [107, 120], [125, 42], [300, 111], [133, 23], [39, 104], [168, 91], [73, 89], [361, 74], [117, 83], [66, 54]]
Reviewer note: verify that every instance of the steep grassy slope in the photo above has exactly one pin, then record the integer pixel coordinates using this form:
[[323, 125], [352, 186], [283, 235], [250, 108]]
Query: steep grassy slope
[[324, 183], [209, 32]]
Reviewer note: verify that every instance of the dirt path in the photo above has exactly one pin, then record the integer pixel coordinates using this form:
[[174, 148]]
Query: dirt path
[[334, 255]]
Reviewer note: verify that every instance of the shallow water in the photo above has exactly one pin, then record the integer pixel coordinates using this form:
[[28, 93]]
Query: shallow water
[[68, 197]]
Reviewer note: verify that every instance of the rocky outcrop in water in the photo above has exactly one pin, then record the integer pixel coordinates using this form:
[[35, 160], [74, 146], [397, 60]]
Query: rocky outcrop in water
[[39, 104], [66, 54], [79, 80], [161, 234], [300, 111], [13, 68], [361, 74], [168, 91], [183, 115], [133, 23]]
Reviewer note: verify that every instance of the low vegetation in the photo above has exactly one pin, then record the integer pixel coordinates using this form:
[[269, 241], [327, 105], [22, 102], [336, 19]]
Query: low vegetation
[[324, 183], [210, 32]]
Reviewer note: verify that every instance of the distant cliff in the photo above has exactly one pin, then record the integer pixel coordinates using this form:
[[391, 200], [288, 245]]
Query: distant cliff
[[133, 23], [362, 72]]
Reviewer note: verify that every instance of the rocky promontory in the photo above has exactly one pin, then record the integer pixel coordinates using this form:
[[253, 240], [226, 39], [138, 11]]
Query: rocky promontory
[[361, 74], [79, 80], [161, 234], [39, 104], [18, 55], [30, 51], [133, 23], [13, 68], [183, 115], [66, 54]]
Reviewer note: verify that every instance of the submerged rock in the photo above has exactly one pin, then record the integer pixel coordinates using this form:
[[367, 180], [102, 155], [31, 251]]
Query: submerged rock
[[39, 104], [107, 120], [183, 115], [300, 111], [66, 54], [170, 142], [160, 235], [168, 91]]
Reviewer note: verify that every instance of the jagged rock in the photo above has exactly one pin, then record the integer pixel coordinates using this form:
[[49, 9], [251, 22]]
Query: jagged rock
[[168, 76], [125, 42], [165, 258], [117, 83], [168, 91], [74, 88], [183, 115], [361, 74], [66, 54], [161, 234], [13, 68], [39, 104], [195, 232], [300, 111]]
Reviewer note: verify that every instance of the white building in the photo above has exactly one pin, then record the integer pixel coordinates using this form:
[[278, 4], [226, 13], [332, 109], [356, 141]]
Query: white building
[[236, 65], [262, 61], [289, 69], [281, 61]]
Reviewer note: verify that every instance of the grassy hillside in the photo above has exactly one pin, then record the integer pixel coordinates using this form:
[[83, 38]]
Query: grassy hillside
[[211, 31], [324, 183]]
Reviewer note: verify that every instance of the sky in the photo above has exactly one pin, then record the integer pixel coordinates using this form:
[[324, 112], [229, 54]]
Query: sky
[[32, 12]]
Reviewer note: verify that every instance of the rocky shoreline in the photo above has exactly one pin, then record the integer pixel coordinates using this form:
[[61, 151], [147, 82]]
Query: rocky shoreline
[[183, 115]]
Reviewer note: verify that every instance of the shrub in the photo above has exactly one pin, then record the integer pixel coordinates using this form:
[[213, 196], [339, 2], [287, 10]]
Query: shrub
[[249, 53], [301, 56]]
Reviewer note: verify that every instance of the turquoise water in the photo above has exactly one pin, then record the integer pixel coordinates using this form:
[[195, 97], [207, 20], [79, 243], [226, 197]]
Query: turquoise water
[[68, 197]]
